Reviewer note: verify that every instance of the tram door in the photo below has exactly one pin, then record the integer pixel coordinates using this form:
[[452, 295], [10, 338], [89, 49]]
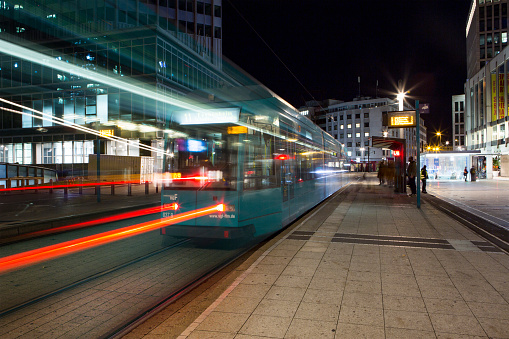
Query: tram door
[[287, 175]]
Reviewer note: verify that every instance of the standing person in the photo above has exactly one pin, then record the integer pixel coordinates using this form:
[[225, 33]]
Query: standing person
[[412, 172], [424, 177], [472, 173], [465, 173], [381, 172]]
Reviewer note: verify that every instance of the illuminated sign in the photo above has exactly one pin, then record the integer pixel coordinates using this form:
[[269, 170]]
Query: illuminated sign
[[401, 119], [396, 153], [237, 130], [282, 157], [106, 132], [175, 175], [207, 116]]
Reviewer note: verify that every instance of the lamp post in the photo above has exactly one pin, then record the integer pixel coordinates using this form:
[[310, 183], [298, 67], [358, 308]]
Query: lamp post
[[439, 135], [363, 157]]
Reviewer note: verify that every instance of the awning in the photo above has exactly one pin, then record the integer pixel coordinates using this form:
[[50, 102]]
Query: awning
[[389, 143]]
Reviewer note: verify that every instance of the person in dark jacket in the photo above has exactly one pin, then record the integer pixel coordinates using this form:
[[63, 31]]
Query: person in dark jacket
[[424, 177], [465, 173], [412, 172]]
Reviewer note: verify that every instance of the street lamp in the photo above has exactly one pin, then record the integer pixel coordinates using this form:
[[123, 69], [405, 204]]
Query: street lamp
[[439, 135], [401, 99]]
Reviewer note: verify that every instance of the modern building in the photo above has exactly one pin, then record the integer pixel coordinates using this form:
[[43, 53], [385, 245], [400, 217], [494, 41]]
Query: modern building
[[486, 32], [486, 116], [458, 121], [354, 123], [77, 61]]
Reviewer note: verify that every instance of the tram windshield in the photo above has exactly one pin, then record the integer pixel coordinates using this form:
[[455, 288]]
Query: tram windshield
[[201, 163]]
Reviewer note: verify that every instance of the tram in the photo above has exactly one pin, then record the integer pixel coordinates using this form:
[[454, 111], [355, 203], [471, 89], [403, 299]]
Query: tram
[[262, 159]]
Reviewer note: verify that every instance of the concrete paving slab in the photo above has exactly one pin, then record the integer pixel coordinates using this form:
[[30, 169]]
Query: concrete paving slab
[[378, 287]]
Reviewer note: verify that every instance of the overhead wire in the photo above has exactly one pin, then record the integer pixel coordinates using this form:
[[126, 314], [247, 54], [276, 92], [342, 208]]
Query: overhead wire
[[275, 54]]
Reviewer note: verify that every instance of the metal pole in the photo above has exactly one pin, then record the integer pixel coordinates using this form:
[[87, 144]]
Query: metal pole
[[418, 160], [98, 188]]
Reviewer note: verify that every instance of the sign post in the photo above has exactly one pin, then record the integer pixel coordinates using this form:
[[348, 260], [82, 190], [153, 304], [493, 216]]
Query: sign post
[[418, 160]]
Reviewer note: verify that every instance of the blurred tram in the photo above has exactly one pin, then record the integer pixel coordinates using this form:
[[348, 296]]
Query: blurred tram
[[262, 159]]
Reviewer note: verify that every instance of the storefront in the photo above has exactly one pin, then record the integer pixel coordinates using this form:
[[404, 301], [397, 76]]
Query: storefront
[[450, 165]]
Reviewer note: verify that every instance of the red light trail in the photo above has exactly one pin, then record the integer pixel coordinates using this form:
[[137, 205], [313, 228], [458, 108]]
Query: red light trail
[[51, 252], [127, 215], [69, 185]]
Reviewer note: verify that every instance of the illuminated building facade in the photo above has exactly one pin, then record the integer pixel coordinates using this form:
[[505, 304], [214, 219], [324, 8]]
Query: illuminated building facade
[[170, 47], [486, 32], [486, 116]]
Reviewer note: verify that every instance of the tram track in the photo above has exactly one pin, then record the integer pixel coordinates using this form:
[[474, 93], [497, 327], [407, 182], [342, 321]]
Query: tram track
[[88, 279], [485, 228]]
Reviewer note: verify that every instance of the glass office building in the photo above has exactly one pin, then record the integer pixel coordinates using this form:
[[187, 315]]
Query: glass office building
[[171, 48]]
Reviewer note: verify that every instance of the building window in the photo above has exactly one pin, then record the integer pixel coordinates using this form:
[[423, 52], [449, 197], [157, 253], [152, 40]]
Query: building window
[[349, 135], [358, 144], [357, 125], [341, 126], [366, 124], [366, 115], [358, 135], [366, 134], [340, 117], [349, 144], [358, 153], [349, 116], [349, 126], [357, 116], [217, 11], [341, 136]]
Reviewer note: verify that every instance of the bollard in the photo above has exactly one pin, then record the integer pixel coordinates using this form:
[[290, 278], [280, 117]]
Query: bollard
[[112, 189], [51, 184], [36, 183], [66, 187], [146, 187], [157, 187], [81, 186], [129, 193]]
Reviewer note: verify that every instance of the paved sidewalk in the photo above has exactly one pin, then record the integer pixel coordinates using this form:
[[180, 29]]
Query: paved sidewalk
[[374, 266]]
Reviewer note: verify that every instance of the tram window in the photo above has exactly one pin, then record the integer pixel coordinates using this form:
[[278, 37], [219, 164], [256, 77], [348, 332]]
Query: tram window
[[205, 164], [259, 166]]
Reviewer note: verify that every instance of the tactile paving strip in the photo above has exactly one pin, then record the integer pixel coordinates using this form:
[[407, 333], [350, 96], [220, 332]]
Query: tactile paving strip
[[392, 241]]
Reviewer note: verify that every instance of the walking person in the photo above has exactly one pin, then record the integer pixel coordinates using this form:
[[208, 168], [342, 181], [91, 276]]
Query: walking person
[[424, 177], [412, 172], [465, 173]]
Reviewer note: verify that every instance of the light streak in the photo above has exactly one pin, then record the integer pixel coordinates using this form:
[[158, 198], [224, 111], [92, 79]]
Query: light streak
[[48, 61], [127, 215], [69, 185], [63, 122], [68, 247]]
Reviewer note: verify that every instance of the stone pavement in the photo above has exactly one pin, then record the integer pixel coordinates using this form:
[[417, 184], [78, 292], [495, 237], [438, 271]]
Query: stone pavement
[[488, 199], [367, 264]]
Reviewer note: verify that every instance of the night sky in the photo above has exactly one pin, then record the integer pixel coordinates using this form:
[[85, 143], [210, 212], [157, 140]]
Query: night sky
[[328, 44]]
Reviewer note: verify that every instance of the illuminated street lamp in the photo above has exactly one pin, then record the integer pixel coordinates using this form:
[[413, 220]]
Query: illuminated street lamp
[[439, 135], [401, 99]]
